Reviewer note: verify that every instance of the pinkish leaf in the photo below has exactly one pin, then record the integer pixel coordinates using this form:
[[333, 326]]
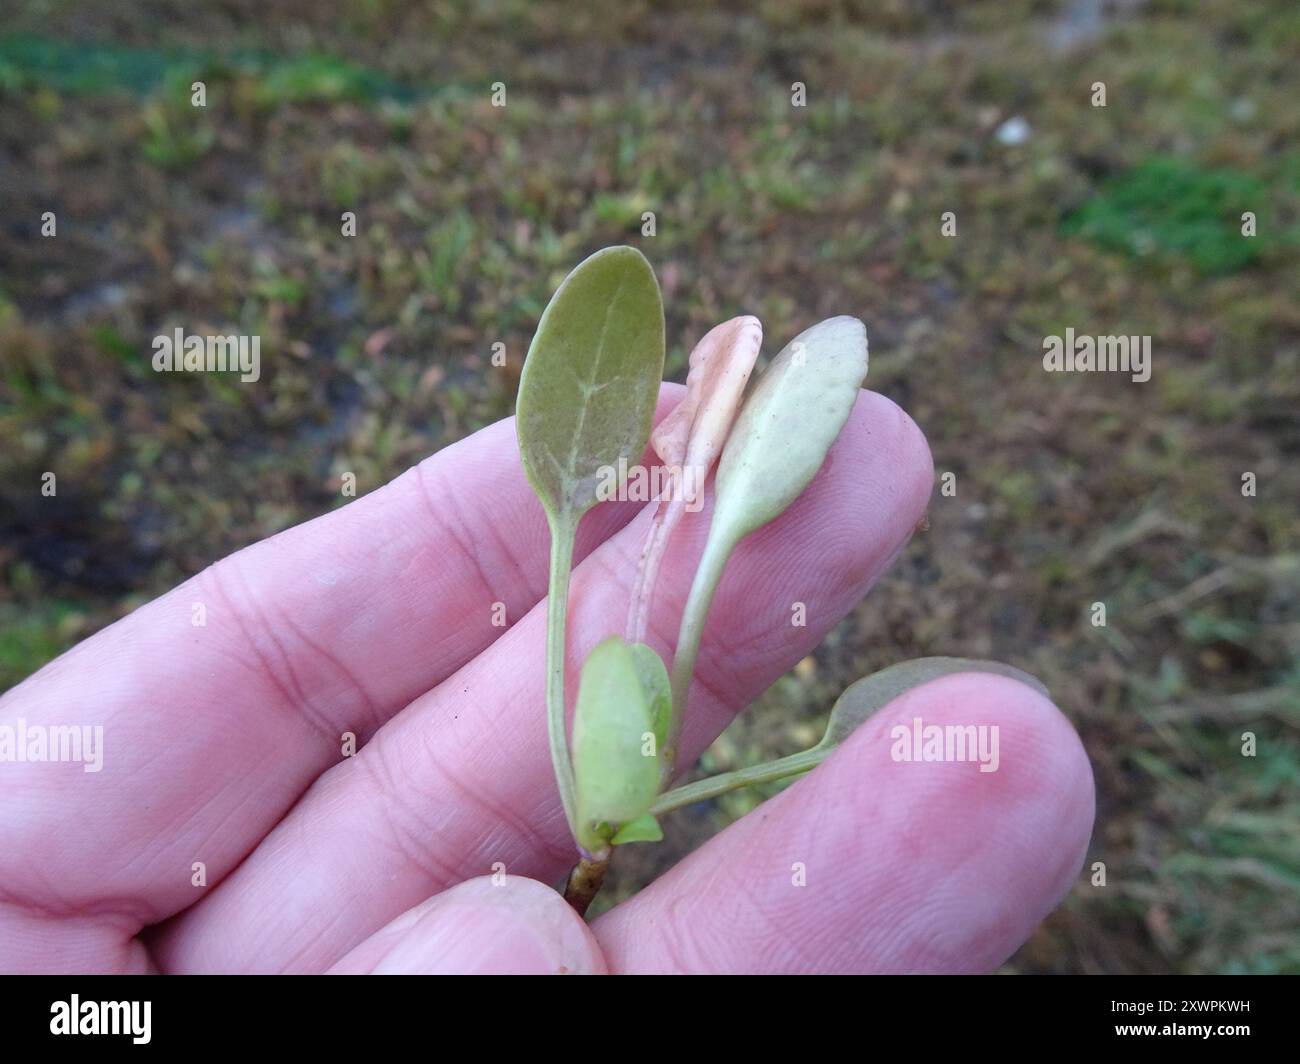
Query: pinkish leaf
[[720, 367], [690, 439]]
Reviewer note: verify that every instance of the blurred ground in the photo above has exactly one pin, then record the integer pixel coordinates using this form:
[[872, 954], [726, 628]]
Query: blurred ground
[[1071, 489]]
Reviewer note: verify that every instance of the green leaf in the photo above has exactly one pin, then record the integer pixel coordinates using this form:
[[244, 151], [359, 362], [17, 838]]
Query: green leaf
[[643, 829], [591, 380], [776, 446], [615, 779], [788, 424], [861, 699], [658, 693], [586, 400], [858, 702]]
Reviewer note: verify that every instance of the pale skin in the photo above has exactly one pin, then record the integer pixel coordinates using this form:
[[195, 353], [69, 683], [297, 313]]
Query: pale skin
[[223, 745]]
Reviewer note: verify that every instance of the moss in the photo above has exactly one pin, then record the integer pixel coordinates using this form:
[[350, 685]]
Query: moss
[[1167, 206]]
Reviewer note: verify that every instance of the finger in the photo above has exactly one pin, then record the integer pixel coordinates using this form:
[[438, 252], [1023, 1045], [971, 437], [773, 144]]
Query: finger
[[462, 779], [211, 732], [871, 864], [503, 925], [32, 943]]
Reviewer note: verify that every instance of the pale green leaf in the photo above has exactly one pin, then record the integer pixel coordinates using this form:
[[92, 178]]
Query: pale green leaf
[[776, 446], [653, 675], [858, 702], [788, 424], [616, 781], [643, 829], [863, 698]]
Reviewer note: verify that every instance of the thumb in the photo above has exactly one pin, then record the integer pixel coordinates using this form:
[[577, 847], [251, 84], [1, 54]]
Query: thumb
[[484, 926]]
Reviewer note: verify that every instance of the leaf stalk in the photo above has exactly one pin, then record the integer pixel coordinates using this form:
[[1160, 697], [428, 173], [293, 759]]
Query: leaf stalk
[[563, 534]]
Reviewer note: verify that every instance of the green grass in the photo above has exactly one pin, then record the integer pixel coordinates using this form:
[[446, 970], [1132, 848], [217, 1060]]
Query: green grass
[[1172, 207], [28, 61], [36, 635]]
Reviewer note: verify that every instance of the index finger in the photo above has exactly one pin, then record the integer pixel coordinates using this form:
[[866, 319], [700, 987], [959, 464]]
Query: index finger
[[221, 701]]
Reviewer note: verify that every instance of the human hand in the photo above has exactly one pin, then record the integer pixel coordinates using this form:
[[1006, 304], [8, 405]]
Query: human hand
[[223, 747]]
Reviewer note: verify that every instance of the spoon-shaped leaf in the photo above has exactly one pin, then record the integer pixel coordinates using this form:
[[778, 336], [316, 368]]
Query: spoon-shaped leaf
[[586, 400], [858, 702], [776, 446], [783, 433], [861, 699], [690, 439], [615, 749], [591, 380]]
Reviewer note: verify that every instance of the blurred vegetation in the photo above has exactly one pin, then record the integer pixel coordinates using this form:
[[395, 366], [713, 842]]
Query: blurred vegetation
[[1071, 489], [1171, 207]]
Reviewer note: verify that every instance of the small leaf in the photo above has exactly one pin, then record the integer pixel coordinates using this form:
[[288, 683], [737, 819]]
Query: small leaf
[[615, 781], [858, 702], [776, 446], [788, 424], [694, 432], [591, 380], [689, 441], [863, 698], [643, 829]]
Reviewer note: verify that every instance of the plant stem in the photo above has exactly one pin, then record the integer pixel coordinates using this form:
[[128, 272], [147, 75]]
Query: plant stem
[[584, 883], [744, 777], [716, 552], [643, 586], [563, 533]]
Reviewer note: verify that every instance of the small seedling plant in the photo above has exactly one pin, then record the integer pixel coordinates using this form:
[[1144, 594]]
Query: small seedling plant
[[586, 404]]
